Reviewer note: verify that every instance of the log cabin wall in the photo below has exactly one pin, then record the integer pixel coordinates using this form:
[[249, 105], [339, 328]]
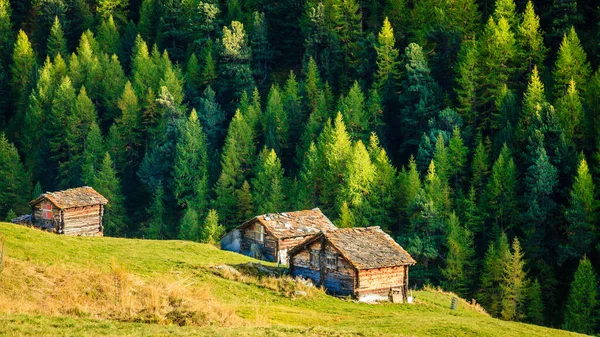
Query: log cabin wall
[[379, 281], [287, 244], [44, 214], [326, 267], [257, 235], [85, 220]]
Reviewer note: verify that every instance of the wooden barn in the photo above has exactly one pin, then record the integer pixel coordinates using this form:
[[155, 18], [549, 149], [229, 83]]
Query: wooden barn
[[271, 236], [363, 262], [76, 211]]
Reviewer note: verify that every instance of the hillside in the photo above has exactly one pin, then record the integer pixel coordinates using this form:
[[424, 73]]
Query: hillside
[[56, 285]]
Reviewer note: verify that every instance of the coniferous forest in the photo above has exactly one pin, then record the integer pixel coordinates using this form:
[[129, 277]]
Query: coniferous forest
[[467, 129]]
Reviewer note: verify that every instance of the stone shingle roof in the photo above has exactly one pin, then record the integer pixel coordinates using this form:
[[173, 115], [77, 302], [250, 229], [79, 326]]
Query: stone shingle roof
[[73, 197], [364, 247], [293, 224]]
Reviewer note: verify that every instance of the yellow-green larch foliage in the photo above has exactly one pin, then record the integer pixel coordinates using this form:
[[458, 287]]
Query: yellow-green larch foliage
[[387, 58]]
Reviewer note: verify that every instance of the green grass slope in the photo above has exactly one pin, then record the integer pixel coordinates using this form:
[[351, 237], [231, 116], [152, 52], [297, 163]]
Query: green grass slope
[[63, 286]]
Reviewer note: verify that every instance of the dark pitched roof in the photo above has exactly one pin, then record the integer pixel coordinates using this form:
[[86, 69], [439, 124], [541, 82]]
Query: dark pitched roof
[[365, 247], [293, 224], [73, 197]]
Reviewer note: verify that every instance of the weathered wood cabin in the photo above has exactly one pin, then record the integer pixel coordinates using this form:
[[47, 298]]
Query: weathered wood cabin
[[76, 211], [364, 262], [271, 236]]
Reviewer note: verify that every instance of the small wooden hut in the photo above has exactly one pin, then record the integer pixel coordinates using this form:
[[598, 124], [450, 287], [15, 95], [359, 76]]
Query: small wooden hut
[[364, 262], [271, 236], [76, 211]]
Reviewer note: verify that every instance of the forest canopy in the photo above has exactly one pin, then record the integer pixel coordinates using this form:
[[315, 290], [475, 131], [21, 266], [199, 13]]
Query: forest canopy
[[467, 129]]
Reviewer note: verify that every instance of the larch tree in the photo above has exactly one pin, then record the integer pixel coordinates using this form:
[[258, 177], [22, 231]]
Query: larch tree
[[108, 36], [268, 184], [309, 180], [13, 179], [128, 142], [236, 74], [358, 179], [502, 191], [22, 71], [570, 112], [534, 99], [190, 171], [513, 284], [245, 203], [466, 83], [275, 122], [534, 311], [56, 43], [262, 53], [211, 231], [581, 216], [156, 212], [492, 275], [459, 263], [530, 39], [93, 153], [352, 108], [189, 225], [347, 17], [571, 64], [383, 197], [294, 108], [387, 60], [582, 303]]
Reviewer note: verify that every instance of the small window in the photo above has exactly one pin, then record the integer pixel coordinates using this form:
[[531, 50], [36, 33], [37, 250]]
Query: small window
[[47, 211], [332, 262], [314, 258]]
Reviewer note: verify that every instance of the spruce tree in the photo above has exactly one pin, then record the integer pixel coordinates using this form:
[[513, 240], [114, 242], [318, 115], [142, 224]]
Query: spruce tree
[[421, 97], [245, 203], [534, 99], [513, 284], [347, 17], [128, 140], [580, 311], [457, 156], [569, 110], [309, 181], [292, 105], [466, 83], [262, 53], [93, 154], [156, 213], [565, 15], [354, 113], [108, 36], [502, 191], [212, 119], [37, 191], [211, 231], [268, 184], [108, 184]]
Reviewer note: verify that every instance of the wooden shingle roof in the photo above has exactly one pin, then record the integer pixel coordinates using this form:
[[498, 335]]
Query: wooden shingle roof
[[293, 224], [73, 197], [365, 247]]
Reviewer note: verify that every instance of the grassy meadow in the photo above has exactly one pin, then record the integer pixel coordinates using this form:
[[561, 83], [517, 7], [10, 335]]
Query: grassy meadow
[[82, 286]]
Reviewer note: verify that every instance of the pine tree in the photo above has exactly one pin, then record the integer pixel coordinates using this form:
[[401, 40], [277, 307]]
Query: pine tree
[[581, 215], [387, 60], [212, 231], [56, 43], [535, 306], [530, 39], [13, 180], [513, 284], [108, 184], [268, 184], [571, 64], [275, 122], [156, 212], [457, 271], [190, 171], [580, 312]]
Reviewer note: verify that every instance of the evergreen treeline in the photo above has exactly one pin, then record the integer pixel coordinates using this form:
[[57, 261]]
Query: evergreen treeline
[[468, 129]]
